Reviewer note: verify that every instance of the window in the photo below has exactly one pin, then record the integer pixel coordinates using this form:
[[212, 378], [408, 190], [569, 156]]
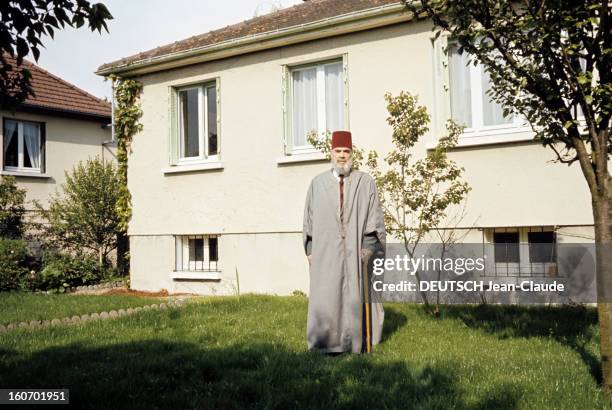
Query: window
[[197, 253], [315, 100], [194, 135], [23, 146], [470, 104], [527, 251], [461, 93]]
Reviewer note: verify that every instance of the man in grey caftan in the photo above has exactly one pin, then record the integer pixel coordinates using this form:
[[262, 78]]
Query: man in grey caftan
[[336, 239]]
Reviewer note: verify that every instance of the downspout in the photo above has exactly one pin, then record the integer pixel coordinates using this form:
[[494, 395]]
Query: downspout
[[112, 124]]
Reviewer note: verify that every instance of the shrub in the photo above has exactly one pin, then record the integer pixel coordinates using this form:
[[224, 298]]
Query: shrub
[[82, 215], [11, 208], [13, 263], [61, 271]]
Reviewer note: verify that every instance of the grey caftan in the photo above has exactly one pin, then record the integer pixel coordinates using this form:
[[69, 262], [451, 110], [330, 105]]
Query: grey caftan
[[335, 309]]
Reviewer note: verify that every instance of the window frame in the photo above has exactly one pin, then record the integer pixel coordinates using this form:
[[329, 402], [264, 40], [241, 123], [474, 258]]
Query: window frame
[[175, 135], [20, 147], [287, 87]]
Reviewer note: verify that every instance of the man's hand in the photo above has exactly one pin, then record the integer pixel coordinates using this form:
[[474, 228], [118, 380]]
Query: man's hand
[[309, 259], [365, 254]]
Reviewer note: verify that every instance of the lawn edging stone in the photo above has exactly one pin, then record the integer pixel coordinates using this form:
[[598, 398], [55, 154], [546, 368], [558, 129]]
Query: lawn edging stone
[[39, 324]]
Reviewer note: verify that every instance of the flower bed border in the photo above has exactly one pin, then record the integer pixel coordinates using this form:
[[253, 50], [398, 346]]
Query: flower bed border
[[40, 324]]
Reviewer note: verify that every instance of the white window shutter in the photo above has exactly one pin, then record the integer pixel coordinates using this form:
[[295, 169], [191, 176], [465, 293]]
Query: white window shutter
[[173, 132], [285, 78], [218, 90], [345, 78], [441, 83]]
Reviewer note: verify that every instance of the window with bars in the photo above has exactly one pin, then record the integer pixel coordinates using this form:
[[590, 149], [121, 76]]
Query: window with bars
[[526, 251], [197, 253]]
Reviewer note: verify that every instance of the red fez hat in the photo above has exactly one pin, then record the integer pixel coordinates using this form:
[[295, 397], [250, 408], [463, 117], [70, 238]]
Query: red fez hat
[[342, 139]]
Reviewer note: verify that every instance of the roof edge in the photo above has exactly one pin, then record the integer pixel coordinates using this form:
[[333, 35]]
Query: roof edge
[[59, 112], [342, 24]]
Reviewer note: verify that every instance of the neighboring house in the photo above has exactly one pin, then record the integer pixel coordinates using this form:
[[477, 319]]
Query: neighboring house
[[50, 133], [218, 176]]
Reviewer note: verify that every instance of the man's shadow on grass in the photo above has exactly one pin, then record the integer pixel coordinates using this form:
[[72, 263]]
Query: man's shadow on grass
[[393, 321], [164, 374], [570, 325]]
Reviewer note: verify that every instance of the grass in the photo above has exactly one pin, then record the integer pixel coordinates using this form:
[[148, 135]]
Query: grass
[[251, 352], [23, 306]]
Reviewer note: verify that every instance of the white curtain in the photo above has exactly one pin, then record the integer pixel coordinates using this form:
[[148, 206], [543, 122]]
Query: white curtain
[[460, 88], [334, 97], [492, 113], [304, 104], [31, 138], [9, 130]]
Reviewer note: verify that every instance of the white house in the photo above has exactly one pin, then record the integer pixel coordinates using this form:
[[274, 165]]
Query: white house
[[51, 132], [219, 173]]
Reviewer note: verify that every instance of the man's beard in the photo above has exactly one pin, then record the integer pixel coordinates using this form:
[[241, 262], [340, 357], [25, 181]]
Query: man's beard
[[343, 169]]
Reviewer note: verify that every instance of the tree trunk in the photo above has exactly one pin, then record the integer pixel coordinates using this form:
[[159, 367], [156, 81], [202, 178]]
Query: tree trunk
[[123, 247], [602, 213]]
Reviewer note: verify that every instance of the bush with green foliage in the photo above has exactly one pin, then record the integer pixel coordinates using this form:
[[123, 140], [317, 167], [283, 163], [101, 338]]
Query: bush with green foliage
[[82, 216], [11, 208], [13, 263], [62, 271]]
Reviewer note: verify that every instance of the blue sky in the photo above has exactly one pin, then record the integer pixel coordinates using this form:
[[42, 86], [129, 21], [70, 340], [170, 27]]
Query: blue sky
[[138, 25]]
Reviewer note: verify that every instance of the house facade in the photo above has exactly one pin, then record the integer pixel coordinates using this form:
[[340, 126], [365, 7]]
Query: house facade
[[49, 133], [219, 173]]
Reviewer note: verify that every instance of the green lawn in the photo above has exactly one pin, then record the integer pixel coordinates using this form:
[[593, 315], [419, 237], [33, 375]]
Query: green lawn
[[23, 306], [251, 352]]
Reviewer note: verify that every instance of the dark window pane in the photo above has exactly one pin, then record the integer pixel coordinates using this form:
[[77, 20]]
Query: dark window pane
[[196, 250], [211, 95], [212, 248], [11, 154], [26, 156], [506, 247], [541, 247], [191, 125]]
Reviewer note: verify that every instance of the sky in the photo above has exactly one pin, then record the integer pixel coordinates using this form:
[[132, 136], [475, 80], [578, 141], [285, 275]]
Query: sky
[[138, 25]]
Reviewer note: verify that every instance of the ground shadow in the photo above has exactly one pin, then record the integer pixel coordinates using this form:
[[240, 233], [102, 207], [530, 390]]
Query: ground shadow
[[570, 325], [393, 321], [163, 374]]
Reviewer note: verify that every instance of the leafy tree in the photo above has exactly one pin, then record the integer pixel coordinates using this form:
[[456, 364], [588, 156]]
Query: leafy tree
[[549, 60], [416, 194], [83, 216], [11, 208], [24, 23]]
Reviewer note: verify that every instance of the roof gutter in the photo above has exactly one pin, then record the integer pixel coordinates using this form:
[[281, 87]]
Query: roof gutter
[[61, 112], [332, 26]]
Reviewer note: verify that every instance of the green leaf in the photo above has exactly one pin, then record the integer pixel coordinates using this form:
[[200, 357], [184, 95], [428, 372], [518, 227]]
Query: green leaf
[[22, 47]]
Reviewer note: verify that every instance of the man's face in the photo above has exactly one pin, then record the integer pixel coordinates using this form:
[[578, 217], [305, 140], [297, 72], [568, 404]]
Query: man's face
[[341, 155]]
